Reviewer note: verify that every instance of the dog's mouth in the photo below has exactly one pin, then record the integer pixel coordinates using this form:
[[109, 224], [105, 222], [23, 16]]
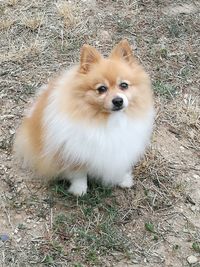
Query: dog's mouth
[[117, 108]]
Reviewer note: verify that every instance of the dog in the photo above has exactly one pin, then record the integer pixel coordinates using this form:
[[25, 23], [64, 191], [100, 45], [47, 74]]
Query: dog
[[95, 120]]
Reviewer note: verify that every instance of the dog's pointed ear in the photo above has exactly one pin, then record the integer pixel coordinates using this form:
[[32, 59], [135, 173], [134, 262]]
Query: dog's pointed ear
[[123, 51], [89, 56]]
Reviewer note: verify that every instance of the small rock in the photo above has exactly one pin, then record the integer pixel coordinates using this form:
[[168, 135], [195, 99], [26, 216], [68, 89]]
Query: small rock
[[12, 131], [16, 231], [193, 208], [192, 259]]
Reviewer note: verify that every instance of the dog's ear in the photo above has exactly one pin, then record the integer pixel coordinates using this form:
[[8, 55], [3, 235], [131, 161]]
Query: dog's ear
[[123, 51], [89, 56]]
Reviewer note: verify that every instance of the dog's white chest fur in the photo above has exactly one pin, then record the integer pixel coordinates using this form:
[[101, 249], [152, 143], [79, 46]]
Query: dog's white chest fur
[[108, 151]]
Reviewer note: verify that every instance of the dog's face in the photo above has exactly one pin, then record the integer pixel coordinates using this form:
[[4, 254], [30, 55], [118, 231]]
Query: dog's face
[[110, 86], [114, 84]]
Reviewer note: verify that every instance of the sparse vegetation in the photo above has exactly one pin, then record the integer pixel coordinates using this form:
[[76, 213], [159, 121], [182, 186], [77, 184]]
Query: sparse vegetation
[[196, 246], [157, 222], [5, 24], [165, 90], [32, 23], [149, 227], [67, 12]]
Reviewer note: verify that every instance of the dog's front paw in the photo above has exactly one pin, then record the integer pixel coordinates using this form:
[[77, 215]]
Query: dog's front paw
[[78, 189], [127, 181], [78, 185]]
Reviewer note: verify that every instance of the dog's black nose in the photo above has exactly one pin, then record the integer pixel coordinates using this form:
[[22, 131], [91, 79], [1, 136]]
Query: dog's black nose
[[118, 102]]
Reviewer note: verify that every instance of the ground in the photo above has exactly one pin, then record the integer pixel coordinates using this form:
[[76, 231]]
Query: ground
[[156, 223]]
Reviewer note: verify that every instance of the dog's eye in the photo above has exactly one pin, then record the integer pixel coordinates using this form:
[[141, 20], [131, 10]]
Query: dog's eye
[[102, 89], [123, 85]]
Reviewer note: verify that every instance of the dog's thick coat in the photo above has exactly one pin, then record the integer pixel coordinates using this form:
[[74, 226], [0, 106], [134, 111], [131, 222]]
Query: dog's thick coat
[[75, 128]]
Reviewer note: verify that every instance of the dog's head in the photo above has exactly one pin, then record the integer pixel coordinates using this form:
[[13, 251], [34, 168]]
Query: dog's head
[[117, 83]]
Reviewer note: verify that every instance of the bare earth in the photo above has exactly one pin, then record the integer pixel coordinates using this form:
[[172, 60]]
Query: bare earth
[[156, 223]]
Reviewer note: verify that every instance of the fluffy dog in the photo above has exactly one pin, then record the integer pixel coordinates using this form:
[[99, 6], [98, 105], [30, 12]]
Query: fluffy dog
[[95, 119]]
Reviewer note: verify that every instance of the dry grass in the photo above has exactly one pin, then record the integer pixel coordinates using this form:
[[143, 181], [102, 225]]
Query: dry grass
[[16, 54], [12, 2], [186, 119], [32, 23], [67, 12], [157, 222], [6, 24]]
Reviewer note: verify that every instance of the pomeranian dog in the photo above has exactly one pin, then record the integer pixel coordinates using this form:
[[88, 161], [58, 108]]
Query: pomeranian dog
[[94, 120]]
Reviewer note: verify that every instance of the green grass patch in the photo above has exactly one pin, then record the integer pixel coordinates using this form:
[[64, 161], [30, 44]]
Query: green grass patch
[[164, 89], [196, 246], [92, 224], [149, 227], [48, 260], [78, 265]]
